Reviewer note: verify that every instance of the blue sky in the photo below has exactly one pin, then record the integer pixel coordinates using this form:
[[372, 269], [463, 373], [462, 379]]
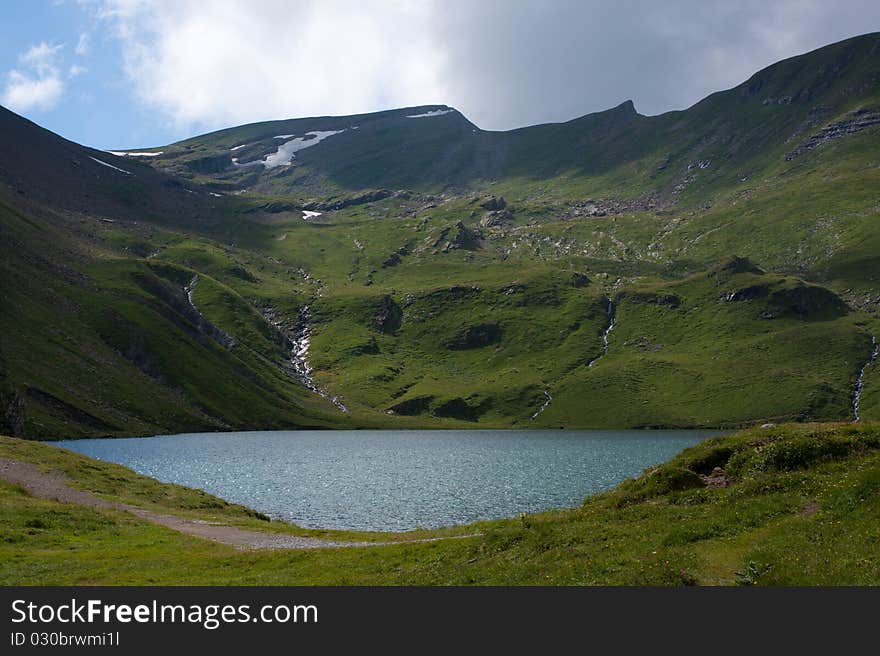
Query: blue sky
[[138, 73], [95, 106]]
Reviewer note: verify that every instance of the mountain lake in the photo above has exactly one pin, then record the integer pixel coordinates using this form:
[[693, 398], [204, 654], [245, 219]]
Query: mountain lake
[[381, 480]]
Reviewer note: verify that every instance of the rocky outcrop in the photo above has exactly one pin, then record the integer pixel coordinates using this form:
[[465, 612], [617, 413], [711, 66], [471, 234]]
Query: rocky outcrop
[[297, 337], [464, 237], [717, 479], [656, 298], [494, 203], [389, 316], [360, 199], [274, 207], [213, 164], [496, 218], [12, 413], [579, 279], [591, 207], [856, 121], [643, 344], [455, 237], [395, 257], [749, 293]]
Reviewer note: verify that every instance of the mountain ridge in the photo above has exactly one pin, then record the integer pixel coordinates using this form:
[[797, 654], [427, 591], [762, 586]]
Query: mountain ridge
[[419, 271]]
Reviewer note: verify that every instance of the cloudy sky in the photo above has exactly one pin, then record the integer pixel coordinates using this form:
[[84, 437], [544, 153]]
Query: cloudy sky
[[133, 73]]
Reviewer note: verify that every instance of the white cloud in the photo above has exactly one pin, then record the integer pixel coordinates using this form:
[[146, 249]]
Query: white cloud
[[83, 44], [76, 70], [503, 63], [231, 61], [37, 83]]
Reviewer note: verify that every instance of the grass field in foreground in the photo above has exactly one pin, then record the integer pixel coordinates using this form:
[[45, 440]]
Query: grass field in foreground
[[800, 508]]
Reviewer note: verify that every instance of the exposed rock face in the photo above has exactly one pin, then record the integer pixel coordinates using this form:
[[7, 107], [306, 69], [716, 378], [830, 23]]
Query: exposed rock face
[[644, 344], [12, 413], [716, 479], [496, 218], [389, 316], [367, 197], [391, 261], [669, 300], [597, 208], [494, 203], [464, 237], [213, 164], [476, 336], [856, 121], [746, 293], [457, 236], [395, 257], [275, 207], [666, 300]]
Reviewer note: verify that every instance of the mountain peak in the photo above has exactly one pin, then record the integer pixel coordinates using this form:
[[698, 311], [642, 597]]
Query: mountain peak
[[627, 106]]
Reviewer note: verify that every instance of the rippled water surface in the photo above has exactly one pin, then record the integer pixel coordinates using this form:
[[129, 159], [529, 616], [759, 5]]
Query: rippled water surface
[[395, 480]]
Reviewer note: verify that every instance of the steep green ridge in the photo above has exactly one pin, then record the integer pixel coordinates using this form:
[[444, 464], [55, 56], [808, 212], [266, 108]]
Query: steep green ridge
[[786, 505], [733, 133], [454, 276]]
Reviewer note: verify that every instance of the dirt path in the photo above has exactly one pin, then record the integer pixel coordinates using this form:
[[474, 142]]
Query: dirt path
[[54, 486]]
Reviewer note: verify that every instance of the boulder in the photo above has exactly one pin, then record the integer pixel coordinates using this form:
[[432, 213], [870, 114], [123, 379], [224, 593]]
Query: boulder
[[494, 203]]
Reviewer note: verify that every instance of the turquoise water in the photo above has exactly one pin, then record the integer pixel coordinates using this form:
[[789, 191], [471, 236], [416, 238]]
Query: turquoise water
[[395, 480]]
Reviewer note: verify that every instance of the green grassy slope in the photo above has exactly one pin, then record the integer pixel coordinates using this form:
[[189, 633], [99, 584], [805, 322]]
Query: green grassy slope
[[100, 343], [799, 507], [430, 304]]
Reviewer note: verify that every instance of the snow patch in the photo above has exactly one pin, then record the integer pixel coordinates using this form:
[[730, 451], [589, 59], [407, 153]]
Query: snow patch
[[122, 153], [310, 215], [283, 136], [109, 166], [285, 153], [234, 148], [436, 112]]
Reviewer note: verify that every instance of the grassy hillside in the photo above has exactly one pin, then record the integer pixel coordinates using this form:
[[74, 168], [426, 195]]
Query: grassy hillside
[[788, 505], [447, 276]]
